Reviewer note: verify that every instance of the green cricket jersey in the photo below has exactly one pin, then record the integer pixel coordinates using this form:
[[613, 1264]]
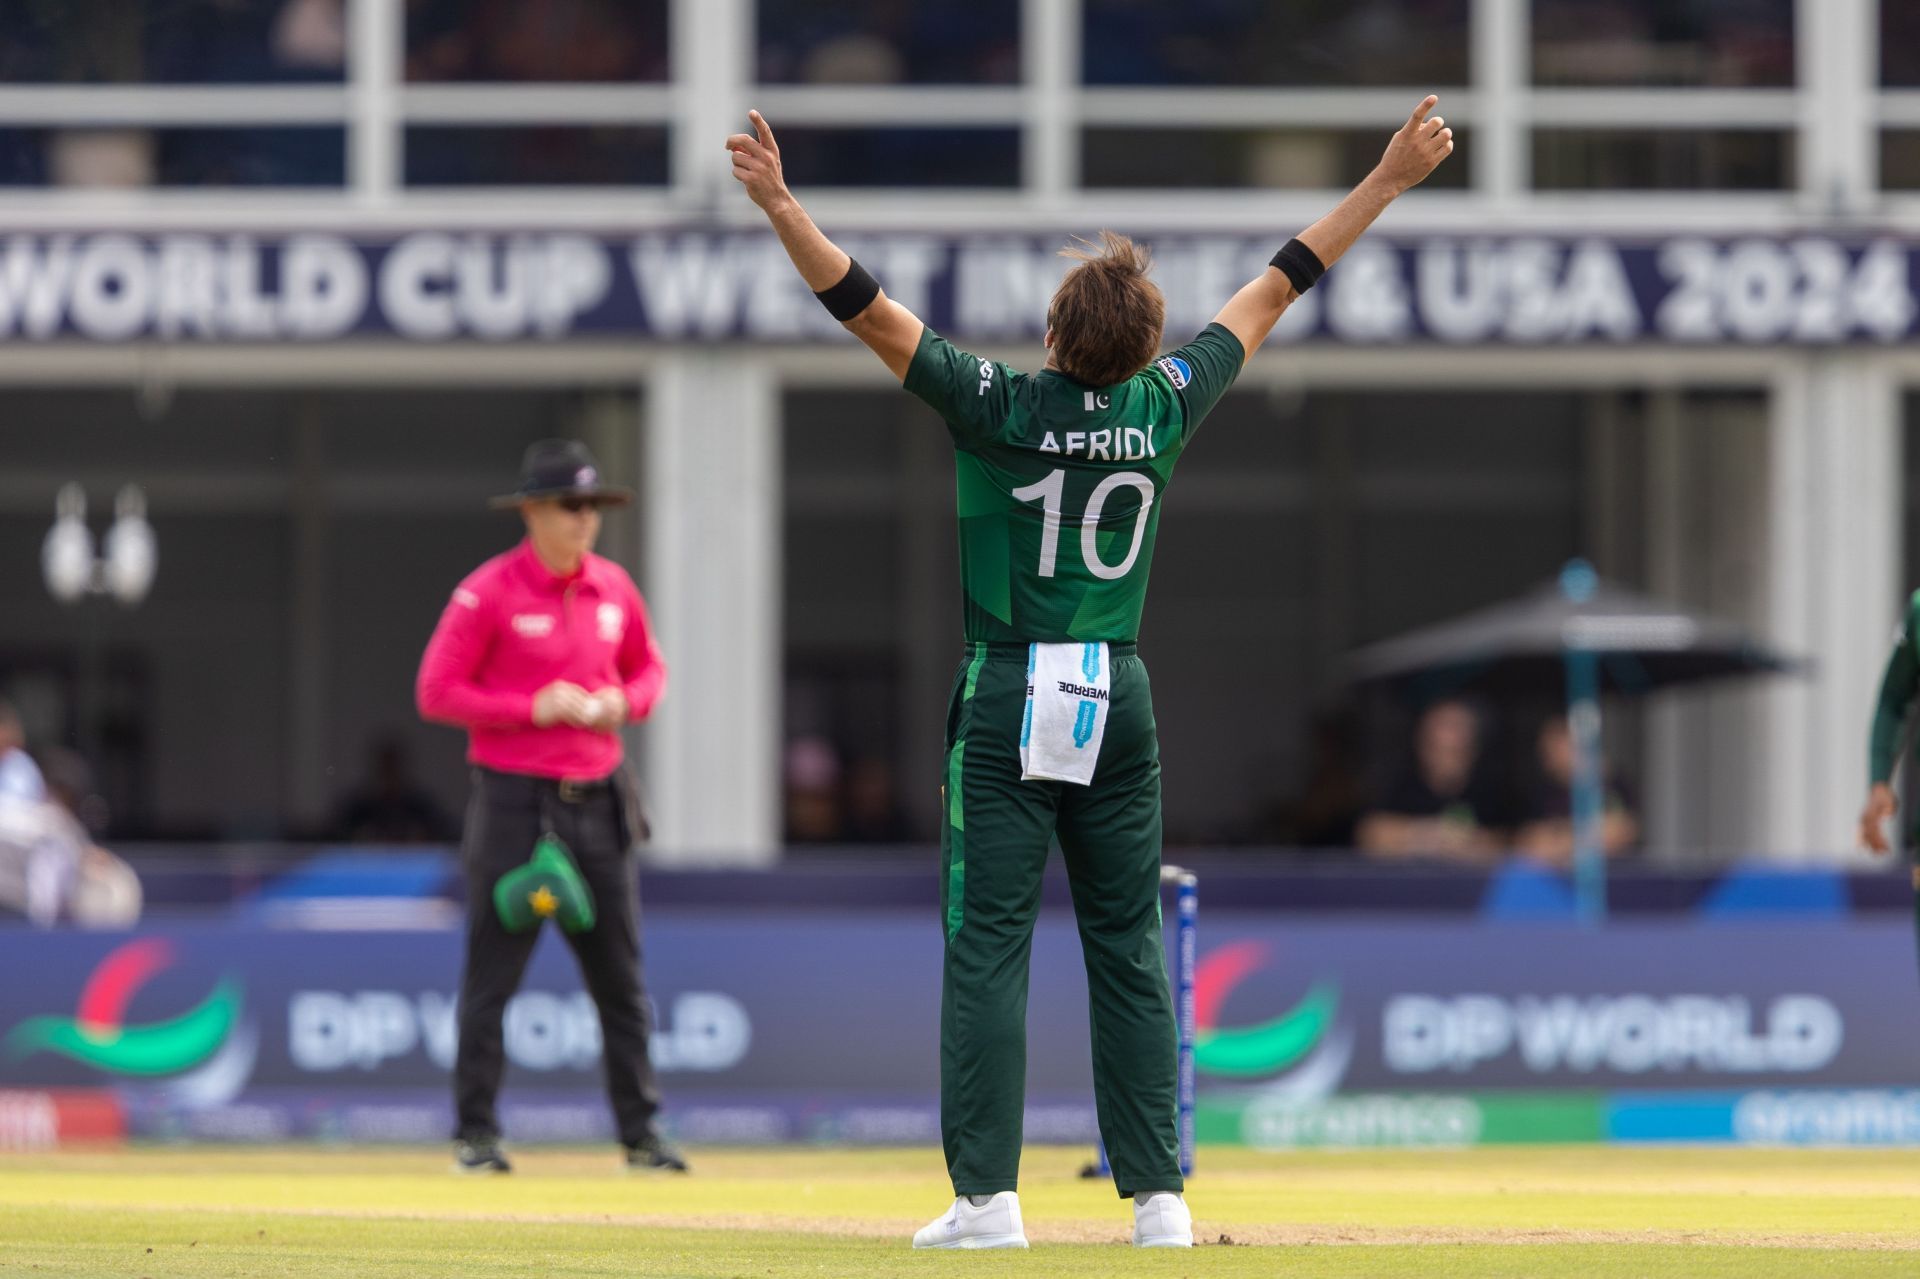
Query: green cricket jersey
[[1060, 483], [1897, 691]]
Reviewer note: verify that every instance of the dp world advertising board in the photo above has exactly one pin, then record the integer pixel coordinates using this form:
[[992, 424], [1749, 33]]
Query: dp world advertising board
[[822, 1026], [705, 285]]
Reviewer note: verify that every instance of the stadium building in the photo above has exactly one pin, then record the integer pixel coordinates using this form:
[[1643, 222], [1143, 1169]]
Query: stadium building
[[313, 276]]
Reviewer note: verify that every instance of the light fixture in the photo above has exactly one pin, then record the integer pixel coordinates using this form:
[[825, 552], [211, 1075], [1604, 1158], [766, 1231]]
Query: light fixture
[[67, 559]]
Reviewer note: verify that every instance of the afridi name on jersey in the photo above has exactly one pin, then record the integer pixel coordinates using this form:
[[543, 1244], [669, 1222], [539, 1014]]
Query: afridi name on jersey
[[1060, 483]]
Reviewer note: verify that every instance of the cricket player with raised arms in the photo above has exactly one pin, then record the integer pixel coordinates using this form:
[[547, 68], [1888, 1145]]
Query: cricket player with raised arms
[[1062, 475]]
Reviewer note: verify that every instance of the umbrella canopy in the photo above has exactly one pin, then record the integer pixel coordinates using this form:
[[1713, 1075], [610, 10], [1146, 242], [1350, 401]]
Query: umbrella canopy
[[1521, 647]]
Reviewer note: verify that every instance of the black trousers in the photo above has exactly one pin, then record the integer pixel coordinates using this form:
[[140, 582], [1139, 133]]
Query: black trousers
[[600, 827]]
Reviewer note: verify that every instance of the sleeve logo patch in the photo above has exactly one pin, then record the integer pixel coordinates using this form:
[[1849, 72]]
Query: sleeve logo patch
[[1178, 371], [465, 598]]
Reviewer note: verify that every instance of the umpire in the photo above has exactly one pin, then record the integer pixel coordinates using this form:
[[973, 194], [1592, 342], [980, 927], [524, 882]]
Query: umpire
[[543, 654]]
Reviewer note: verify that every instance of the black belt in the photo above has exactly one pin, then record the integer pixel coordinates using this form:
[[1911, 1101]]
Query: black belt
[[568, 790]]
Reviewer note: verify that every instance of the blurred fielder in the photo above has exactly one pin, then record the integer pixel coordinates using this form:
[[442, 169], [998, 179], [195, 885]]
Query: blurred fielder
[[1050, 726], [1898, 689]]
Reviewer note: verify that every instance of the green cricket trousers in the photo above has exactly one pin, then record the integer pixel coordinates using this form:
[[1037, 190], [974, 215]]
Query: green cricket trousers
[[994, 846]]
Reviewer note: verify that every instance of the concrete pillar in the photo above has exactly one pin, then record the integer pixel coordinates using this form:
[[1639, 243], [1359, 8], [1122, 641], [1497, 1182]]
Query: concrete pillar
[[712, 65], [375, 71], [1050, 56], [712, 510], [1834, 590], [1502, 163], [1837, 47], [1708, 484]]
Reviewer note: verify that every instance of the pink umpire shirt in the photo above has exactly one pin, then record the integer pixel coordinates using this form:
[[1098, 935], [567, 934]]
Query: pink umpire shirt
[[512, 628]]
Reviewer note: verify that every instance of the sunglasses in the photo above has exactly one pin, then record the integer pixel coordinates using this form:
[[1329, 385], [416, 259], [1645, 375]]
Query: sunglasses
[[575, 505]]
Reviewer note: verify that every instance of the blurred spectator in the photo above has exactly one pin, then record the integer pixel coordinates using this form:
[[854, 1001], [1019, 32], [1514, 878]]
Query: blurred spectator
[[392, 808], [1443, 806], [50, 868], [112, 158], [311, 34], [20, 777], [815, 814], [552, 41], [1546, 820]]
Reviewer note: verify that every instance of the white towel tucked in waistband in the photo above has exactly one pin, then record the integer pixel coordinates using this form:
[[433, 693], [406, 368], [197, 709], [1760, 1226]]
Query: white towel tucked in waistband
[[1068, 688]]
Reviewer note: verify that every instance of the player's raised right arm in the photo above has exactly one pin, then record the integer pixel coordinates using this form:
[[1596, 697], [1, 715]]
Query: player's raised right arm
[[889, 329], [1414, 152]]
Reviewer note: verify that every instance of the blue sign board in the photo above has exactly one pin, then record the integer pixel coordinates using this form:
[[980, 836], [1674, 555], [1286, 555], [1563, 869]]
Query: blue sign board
[[702, 285]]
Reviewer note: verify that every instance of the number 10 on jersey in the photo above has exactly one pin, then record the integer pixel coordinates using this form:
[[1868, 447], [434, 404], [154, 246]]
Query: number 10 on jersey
[[1051, 491]]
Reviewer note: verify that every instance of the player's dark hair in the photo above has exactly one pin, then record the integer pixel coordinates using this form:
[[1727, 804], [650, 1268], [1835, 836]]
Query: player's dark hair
[[1106, 316]]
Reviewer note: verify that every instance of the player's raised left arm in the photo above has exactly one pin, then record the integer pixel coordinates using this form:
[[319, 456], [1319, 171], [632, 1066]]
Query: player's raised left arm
[[889, 329], [1414, 152]]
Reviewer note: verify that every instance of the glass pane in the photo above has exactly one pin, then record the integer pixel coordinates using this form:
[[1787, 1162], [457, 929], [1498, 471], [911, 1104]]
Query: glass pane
[[536, 155], [178, 157], [1286, 159], [843, 157], [1717, 43], [1304, 42], [1900, 159], [1662, 160], [550, 41], [173, 41], [1900, 43], [886, 42], [856, 731]]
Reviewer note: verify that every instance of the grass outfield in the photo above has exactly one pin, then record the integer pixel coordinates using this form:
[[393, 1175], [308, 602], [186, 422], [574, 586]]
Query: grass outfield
[[1541, 1213]]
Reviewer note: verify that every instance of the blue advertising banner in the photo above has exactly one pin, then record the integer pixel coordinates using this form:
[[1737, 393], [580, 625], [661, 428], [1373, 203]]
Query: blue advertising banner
[[778, 1026], [704, 285]]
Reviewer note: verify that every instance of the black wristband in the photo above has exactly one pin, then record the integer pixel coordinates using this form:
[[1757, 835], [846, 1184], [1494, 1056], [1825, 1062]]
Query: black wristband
[[1300, 264], [854, 294]]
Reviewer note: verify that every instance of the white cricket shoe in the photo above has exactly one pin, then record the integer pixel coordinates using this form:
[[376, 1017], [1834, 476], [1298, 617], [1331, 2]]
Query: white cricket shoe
[[994, 1224], [1161, 1220]]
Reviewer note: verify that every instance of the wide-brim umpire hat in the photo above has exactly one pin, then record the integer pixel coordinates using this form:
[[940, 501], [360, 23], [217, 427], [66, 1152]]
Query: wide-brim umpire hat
[[560, 468]]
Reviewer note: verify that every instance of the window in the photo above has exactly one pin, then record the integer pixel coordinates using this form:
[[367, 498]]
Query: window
[[174, 42], [887, 42], [1662, 160], [1283, 159], [1899, 44], [1255, 42], [1900, 159], [552, 41], [1688, 43], [851, 157], [864, 697], [536, 155], [173, 157]]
